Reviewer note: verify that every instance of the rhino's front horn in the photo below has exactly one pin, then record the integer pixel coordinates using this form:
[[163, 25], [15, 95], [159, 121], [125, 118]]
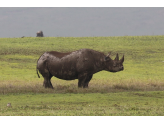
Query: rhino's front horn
[[122, 59]]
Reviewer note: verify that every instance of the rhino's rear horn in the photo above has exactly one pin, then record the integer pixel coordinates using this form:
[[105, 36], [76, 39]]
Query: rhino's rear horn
[[117, 58]]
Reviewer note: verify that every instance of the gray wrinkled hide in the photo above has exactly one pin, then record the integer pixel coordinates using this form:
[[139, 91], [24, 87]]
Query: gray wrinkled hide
[[80, 64]]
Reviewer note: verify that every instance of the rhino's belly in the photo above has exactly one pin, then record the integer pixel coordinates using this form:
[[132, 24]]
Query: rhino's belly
[[66, 75], [64, 68]]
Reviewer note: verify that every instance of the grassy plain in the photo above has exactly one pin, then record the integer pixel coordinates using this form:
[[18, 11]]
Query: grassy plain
[[122, 93], [89, 104]]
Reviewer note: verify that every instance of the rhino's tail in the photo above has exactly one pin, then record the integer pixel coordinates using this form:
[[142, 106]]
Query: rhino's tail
[[37, 73]]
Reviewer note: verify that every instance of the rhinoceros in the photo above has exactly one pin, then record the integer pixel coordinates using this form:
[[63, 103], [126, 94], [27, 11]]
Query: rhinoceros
[[80, 64], [39, 34]]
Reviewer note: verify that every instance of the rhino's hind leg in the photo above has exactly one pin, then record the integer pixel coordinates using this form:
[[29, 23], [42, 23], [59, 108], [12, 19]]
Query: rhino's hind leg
[[47, 78], [47, 81], [43, 69]]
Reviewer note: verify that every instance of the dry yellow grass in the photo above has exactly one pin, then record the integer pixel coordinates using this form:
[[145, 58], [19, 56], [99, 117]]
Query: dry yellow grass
[[95, 86]]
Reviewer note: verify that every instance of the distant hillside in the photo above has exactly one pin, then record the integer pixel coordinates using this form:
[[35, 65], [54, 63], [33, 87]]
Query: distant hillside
[[79, 22]]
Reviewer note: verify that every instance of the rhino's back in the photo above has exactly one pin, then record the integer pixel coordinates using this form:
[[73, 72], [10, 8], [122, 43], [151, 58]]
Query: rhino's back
[[63, 65], [69, 65]]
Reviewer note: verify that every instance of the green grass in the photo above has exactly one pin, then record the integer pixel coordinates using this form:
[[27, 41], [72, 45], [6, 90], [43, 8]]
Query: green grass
[[143, 73], [90, 104]]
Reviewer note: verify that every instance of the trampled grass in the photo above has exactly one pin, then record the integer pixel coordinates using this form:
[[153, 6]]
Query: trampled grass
[[143, 67]]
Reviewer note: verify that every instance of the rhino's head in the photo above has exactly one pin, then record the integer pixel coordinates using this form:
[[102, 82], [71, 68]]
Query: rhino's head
[[114, 65]]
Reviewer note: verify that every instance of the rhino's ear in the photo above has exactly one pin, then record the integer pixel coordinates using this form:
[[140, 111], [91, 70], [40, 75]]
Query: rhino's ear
[[107, 58], [117, 58]]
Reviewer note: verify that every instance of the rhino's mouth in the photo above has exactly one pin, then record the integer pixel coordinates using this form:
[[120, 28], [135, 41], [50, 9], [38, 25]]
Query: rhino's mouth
[[122, 68]]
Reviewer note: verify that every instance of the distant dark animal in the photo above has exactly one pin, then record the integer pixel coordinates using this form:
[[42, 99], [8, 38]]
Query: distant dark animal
[[39, 34], [80, 64]]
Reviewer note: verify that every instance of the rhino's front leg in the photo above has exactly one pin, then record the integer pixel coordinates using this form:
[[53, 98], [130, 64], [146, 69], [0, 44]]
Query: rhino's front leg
[[85, 85], [81, 80], [84, 80]]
